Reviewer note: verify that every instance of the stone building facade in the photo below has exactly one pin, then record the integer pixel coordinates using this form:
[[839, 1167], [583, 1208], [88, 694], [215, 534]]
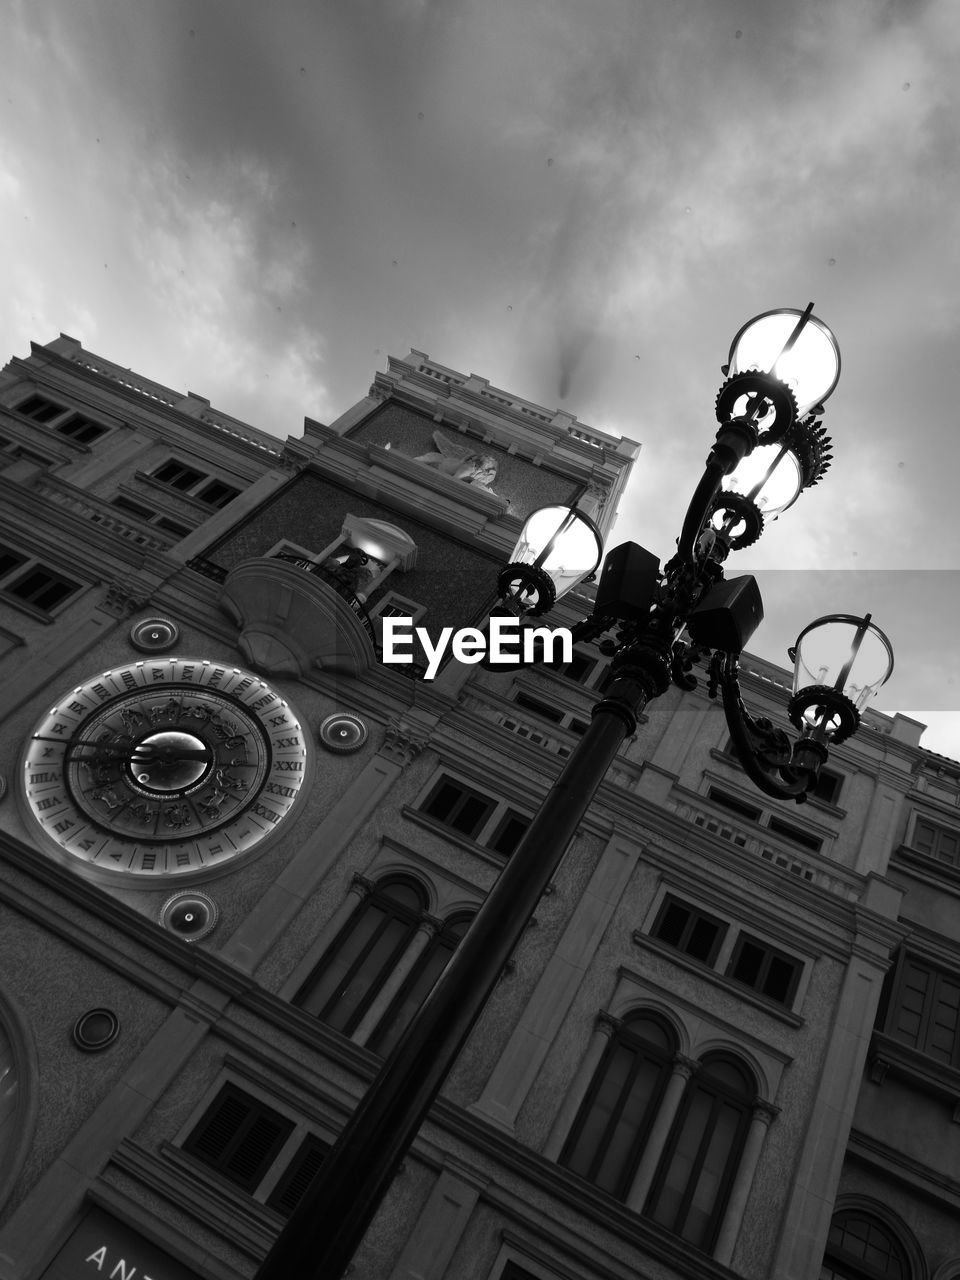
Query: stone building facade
[[237, 849]]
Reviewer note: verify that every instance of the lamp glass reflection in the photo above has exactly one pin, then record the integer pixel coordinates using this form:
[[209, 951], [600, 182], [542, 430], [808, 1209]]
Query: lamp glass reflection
[[563, 542], [778, 489], [825, 655], [810, 368]]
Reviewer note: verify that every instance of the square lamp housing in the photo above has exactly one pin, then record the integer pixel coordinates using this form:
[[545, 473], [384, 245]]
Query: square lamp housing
[[728, 615]]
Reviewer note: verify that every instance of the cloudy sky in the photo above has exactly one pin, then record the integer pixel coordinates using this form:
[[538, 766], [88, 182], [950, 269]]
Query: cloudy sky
[[581, 200]]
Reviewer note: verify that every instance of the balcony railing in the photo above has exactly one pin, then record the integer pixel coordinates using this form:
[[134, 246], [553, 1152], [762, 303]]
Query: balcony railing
[[339, 585]]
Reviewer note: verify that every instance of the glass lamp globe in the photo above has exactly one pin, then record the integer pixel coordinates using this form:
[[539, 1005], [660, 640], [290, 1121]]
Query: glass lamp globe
[[560, 542], [770, 476], [795, 347], [844, 654]]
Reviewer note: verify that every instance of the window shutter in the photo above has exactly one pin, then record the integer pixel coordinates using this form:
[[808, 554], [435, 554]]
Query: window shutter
[[239, 1137], [304, 1167]]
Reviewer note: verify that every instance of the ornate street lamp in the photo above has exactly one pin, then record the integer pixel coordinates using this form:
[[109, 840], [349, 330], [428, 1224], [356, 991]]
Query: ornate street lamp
[[658, 625]]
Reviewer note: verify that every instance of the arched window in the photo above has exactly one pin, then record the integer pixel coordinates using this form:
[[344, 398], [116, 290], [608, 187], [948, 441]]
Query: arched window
[[861, 1247], [610, 1130], [692, 1183], [363, 955], [420, 982]]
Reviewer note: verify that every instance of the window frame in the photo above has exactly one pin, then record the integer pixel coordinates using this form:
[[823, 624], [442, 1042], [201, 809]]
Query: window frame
[[761, 818], [697, 916], [35, 417], [412, 609], [377, 899], [194, 489], [32, 564], [257, 1111], [939, 973], [701, 1083], [389, 1027], [623, 1037], [302, 1131], [486, 830], [771, 955], [857, 1268], [726, 950], [307, 1149], [938, 830]]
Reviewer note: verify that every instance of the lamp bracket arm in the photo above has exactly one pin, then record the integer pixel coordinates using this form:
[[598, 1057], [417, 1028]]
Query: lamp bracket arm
[[762, 749], [700, 507]]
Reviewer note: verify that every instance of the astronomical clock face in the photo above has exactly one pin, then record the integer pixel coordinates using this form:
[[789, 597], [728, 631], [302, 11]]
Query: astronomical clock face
[[164, 769]]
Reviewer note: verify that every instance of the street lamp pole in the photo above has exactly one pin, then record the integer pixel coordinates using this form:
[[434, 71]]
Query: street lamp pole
[[649, 612]]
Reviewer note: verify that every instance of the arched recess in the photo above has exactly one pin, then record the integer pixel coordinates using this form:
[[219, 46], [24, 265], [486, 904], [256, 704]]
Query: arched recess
[[19, 1092], [869, 1241], [613, 1123], [364, 953]]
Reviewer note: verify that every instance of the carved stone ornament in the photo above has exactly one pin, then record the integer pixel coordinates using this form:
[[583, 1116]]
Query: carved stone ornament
[[401, 743], [121, 601]]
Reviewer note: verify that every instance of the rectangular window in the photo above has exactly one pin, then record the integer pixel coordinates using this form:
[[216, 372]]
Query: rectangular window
[[195, 484], [393, 605], [217, 494], [689, 929], [32, 583], [10, 560], [734, 804], [925, 1010], [764, 970], [458, 807], [538, 708], [80, 429], [479, 817], [828, 787], [796, 834], [40, 409], [508, 833], [579, 668], [239, 1137], [302, 1170], [178, 476], [936, 841], [41, 587]]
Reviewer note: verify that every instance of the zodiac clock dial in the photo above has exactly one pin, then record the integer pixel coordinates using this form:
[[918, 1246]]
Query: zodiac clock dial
[[168, 767]]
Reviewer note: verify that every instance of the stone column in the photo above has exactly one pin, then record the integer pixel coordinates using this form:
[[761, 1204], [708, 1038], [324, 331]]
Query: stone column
[[428, 929], [763, 1113], [683, 1070], [605, 1027], [360, 888]]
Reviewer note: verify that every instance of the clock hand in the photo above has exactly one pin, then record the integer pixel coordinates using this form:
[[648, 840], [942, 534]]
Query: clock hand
[[141, 752], [103, 750]]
